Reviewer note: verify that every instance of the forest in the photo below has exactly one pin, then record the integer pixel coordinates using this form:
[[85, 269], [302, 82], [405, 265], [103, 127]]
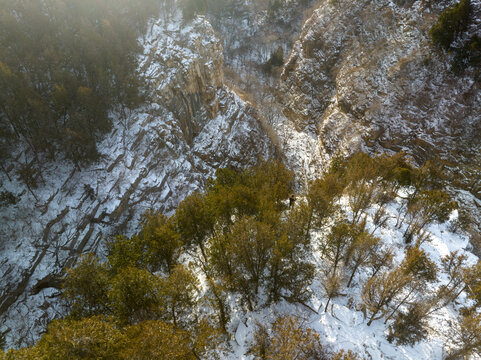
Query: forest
[[65, 67], [169, 291]]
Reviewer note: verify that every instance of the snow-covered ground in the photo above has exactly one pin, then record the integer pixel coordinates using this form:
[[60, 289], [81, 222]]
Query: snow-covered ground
[[343, 326]]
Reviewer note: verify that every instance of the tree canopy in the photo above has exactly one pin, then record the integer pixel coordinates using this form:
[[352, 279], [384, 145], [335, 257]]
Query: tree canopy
[[64, 65]]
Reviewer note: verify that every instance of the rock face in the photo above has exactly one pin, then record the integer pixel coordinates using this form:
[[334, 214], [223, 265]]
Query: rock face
[[154, 157], [365, 75], [185, 69], [251, 31]]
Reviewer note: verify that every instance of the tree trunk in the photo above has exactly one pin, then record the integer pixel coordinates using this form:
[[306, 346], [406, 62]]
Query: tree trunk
[[352, 274], [397, 306], [5, 171], [327, 304], [371, 319]]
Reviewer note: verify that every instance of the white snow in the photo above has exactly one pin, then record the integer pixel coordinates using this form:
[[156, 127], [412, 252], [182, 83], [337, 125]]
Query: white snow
[[344, 327]]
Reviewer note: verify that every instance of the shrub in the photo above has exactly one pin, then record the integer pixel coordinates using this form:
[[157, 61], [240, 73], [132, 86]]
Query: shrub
[[418, 264], [453, 21], [379, 291], [288, 340], [161, 241], [463, 222], [276, 59], [7, 198], [89, 338], [410, 327], [157, 340], [123, 251], [134, 295], [252, 256], [345, 355], [178, 293], [473, 279], [468, 338], [86, 287], [469, 54], [102, 339]]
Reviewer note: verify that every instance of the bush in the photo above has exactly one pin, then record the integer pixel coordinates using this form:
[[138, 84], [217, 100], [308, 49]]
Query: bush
[[7, 198], [343, 355], [178, 293], [276, 59], [252, 256], [86, 286], [463, 222], [157, 340], [156, 247], [468, 55], [259, 191], [134, 295], [473, 280], [428, 206], [90, 338], [102, 339], [418, 264], [410, 327], [452, 22], [468, 337], [123, 252], [288, 340]]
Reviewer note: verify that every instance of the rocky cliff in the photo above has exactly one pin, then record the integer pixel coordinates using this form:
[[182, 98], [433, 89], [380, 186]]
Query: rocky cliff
[[365, 75]]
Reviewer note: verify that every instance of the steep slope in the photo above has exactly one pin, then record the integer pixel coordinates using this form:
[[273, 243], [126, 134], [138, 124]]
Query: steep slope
[[153, 158], [365, 75], [344, 325], [362, 75]]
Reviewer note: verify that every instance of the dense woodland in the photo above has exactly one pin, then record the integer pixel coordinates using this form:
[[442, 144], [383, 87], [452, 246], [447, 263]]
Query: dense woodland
[[164, 292], [64, 66], [68, 70]]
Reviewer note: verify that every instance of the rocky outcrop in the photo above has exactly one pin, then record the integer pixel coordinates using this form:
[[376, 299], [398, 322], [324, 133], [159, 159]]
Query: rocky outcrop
[[185, 70], [154, 157], [365, 75]]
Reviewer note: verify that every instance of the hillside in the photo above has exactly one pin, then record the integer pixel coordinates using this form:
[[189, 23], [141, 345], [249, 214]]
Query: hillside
[[367, 260], [228, 86], [153, 157]]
